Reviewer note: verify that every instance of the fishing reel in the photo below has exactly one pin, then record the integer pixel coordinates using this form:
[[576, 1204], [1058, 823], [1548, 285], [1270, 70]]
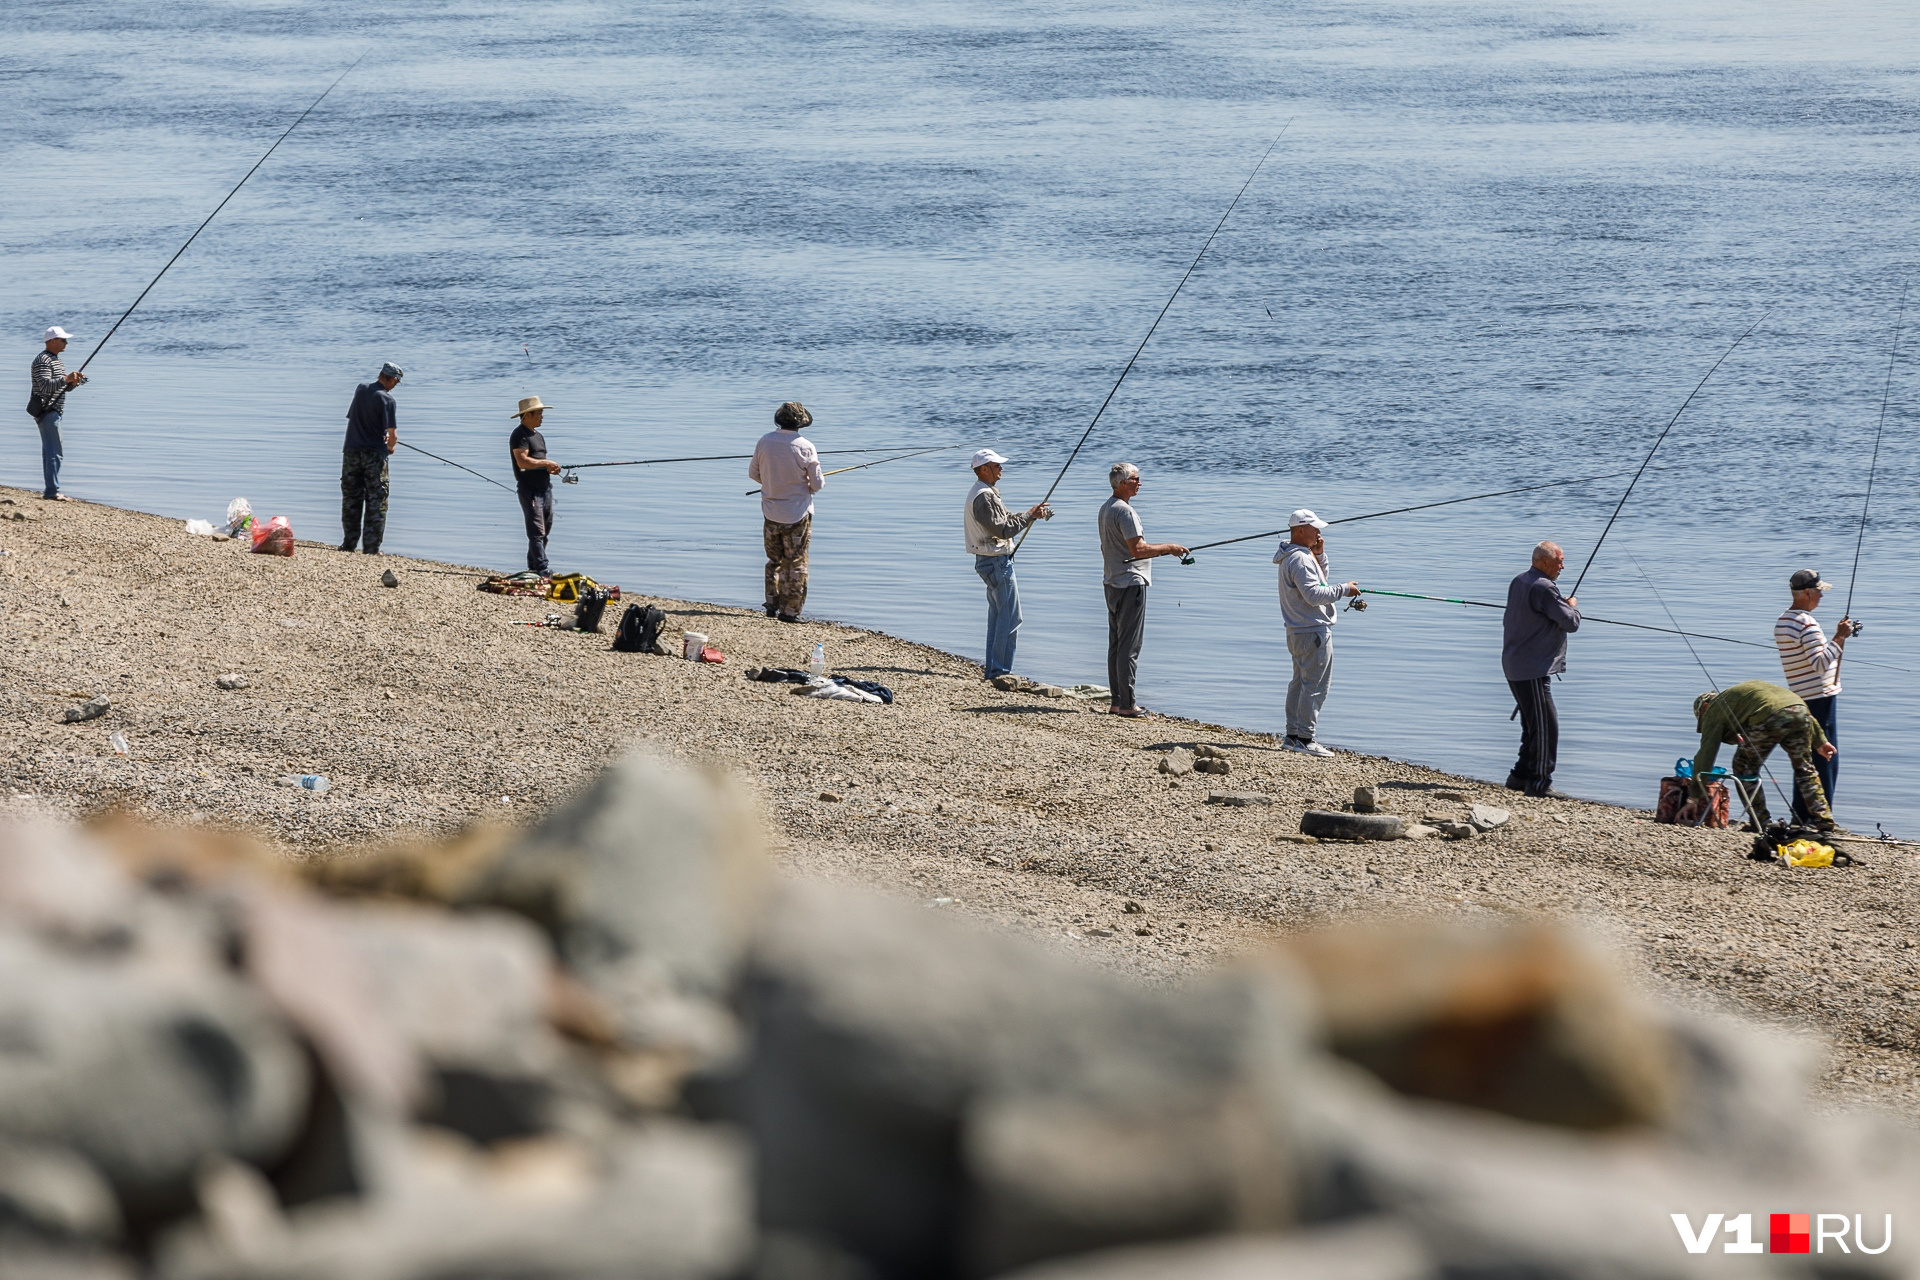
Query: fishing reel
[[569, 476], [1186, 559], [1356, 604]]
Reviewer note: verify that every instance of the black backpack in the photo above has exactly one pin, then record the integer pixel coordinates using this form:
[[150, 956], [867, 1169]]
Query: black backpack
[[589, 608], [639, 630]]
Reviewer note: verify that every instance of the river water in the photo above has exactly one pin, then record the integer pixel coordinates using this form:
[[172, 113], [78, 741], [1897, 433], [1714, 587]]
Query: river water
[[1497, 244]]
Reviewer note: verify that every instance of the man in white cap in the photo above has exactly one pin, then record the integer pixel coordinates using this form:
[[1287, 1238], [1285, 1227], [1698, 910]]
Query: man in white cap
[[787, 468], [533, 474], [47, 402], [1307, 602], [1812, 665], [990, 533], [372, 435], [1124, 553]]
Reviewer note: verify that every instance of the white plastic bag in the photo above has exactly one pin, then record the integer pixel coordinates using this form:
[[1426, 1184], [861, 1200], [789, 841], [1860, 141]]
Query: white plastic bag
[[200, 528], [239, 516]]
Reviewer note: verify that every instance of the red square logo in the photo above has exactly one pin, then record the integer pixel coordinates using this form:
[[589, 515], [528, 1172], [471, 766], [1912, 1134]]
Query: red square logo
[[1789, 1233]]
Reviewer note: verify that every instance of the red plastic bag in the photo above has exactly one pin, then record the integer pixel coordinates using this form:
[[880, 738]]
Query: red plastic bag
[[274, 538], [710, 654]]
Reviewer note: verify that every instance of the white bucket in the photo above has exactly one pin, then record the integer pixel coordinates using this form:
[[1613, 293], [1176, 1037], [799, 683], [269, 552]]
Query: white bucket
[[691, 643]]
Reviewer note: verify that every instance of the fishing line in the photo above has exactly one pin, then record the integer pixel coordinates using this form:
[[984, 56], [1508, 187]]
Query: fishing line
[[1425, 506], [1611, 622], [1751, 808], [1156, 324], [734, 457], [216, 213], [450, 462], [917, 453], [1656, 448], [1886, 394]]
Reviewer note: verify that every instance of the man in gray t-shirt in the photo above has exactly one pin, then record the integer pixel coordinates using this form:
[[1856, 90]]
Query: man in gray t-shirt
[[1124, 553]]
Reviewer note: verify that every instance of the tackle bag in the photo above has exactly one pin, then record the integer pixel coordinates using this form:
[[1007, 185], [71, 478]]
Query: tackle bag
[[1768, 845], [639, 630], [588, 609], [1678, 806]]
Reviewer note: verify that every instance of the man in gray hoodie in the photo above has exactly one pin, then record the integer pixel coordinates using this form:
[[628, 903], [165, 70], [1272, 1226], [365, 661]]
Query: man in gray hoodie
[[1306, 606]]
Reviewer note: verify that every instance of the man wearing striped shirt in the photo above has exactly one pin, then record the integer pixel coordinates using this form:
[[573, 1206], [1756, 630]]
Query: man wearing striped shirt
[[1812, 665]]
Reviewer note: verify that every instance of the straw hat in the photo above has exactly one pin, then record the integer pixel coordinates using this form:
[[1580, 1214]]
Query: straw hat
[[530, 405]]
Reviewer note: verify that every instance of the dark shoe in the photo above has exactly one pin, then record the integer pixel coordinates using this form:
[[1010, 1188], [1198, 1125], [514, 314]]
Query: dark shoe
[[786, 617], [770, 609], [347, 547], [1548, 793], [1130, 713], [372, 551], [1516, 783]]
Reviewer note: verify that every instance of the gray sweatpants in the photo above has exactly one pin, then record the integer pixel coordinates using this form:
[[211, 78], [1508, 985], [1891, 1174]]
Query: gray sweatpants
[[1312, 654]]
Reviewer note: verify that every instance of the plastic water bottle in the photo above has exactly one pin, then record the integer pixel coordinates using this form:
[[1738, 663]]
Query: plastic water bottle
[[818, 662], [309, 781], [119, 742]]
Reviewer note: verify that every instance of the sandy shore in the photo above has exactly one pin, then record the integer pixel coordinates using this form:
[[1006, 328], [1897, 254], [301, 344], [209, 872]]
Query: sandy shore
[[428, 710]]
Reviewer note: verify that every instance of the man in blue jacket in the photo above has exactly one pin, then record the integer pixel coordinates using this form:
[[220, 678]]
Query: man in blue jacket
[[1537, 623], [372, 435]]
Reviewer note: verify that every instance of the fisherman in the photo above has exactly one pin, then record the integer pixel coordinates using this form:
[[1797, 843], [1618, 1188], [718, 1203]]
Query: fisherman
[[1812, 665], [990, 532], [533, 474], [47, 402], [1307, 602], [1759, 717], [372, 436], [1533, 651], [787, 468], [1124, 552]]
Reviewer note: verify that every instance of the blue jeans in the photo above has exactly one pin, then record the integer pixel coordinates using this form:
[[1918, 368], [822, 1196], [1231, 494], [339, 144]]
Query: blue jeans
[[1826, 714], [50, 450], [1003, 611]]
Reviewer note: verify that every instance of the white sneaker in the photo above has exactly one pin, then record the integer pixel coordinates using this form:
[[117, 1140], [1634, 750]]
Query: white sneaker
[[1308, 749]]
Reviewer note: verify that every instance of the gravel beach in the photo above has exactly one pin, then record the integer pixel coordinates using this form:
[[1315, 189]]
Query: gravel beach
[[429, 710]]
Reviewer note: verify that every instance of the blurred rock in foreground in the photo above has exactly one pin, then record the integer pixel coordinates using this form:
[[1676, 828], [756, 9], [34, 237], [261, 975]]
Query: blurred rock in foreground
[[617, 1045]]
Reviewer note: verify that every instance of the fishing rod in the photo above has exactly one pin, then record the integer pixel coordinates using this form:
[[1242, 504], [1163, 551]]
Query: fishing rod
[[1753, 813], [731, 457], [1156, 324], [1425, 506], [1656, 448], [450, 462], [1886, 394], [1611, 622], [216, 213], [917, 453]]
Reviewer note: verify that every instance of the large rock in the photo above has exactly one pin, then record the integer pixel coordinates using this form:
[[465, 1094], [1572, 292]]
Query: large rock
[[648, 883], [144, 1070], [1527, 1021], [936, 1099], [1374, 1248]]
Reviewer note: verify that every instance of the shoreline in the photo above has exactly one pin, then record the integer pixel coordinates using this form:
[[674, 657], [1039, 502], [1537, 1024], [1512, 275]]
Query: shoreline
[[425, 707]]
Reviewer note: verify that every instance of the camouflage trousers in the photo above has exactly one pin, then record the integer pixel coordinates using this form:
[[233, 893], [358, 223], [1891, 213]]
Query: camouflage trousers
[[787, 565], [1794, 731], [363, 498]]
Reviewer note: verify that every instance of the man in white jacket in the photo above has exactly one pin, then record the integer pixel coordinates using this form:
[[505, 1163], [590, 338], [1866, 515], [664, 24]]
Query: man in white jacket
[[990, 533], [787, 468], [1306, 606]]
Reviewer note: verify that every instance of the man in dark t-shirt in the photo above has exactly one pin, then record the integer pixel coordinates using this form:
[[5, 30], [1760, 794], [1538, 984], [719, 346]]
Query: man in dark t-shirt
[[372, 435], [533, 475]]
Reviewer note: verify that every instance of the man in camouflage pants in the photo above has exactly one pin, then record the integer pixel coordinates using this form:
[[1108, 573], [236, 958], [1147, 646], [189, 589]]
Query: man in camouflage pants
[[1759, 717], [372, 435], [787, 467]]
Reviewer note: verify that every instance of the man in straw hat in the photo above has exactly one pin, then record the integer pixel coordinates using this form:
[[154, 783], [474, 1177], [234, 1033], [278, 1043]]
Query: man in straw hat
[[372, 435], [47, 402], [787, 468], [1759, 717], [533, 474], [990, 530]]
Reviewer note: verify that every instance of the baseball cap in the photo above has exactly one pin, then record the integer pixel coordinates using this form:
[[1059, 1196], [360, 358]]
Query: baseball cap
[[984, 456], [1304, 516], [392, 370], [1805, 578], [56, 332]]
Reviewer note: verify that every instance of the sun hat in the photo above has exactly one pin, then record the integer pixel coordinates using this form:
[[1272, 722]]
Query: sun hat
[[1304, 516], [56, 332], [1804, 579], [985, 457], [792, 416], [1700, 704], [529, 405]]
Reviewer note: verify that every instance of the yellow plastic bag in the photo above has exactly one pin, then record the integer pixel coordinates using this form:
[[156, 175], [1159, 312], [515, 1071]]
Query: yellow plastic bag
[[1807, 853], [569, 587]]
